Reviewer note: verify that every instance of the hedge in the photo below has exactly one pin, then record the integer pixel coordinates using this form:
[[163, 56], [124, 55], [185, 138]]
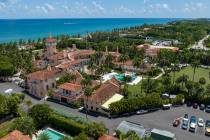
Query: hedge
[[67, 125]]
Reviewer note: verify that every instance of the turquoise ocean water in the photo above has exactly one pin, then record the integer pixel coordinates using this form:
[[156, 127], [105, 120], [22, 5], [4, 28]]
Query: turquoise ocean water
[[11, 30]]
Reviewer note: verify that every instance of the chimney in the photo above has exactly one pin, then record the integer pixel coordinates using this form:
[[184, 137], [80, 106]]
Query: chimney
[[117, 51], [64, 53], [49, 68], [106, 49], [74, 46]]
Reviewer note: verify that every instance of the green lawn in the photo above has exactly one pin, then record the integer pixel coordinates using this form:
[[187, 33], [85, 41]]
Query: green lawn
[[199, 72], [6, 127]]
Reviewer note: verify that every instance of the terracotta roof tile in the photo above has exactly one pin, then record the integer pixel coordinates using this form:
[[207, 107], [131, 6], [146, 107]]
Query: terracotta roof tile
[[106, 90], [107, 137], [70, 87], [50, 40], [81, 53], [16, 135], [42, 75]]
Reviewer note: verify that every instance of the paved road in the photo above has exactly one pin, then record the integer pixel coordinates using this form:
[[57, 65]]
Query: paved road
[[159, 119], [200, 45]]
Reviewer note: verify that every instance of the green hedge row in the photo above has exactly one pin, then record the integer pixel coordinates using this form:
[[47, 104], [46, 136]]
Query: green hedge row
[[67, 125]]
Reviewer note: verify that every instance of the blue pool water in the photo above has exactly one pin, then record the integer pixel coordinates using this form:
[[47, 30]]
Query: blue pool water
[[121, 77], [53, 134], [11, 29]]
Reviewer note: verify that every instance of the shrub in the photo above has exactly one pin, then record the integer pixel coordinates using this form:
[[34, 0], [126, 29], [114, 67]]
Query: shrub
[[67, 125], [41, 114]]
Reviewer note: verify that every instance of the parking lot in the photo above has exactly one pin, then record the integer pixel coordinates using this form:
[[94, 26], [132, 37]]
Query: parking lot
[[162, 119]]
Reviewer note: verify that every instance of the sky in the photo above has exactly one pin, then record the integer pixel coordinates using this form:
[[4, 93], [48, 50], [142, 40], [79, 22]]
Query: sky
[[18, 9]]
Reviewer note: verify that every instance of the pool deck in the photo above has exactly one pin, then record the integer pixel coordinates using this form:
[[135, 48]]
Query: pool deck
[[109, 76]]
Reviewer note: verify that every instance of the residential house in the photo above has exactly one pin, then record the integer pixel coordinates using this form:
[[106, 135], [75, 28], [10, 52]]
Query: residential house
[[101, 95], [68, 92], [153, 51], [40, 82]]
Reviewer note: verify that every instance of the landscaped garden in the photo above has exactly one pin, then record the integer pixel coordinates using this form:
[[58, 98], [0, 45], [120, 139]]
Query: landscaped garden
[[199, 73]]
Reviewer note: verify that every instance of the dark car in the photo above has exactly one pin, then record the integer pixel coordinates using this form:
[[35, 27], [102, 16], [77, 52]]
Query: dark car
[[202, 107], [207, 109], [189, 104], [186, 116], [176, 123], [195, 106]]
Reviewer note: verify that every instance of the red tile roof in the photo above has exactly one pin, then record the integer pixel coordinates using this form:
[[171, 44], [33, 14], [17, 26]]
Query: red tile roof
[[16, 135], [57, 56], [106, 90], [50, 40], [70, 63], [78, 53], [42, 75], [107, 137], [70, 87]]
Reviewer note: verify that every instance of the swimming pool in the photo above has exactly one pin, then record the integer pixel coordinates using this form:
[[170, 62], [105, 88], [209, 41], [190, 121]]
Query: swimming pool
[[121, 77], [54, 135]]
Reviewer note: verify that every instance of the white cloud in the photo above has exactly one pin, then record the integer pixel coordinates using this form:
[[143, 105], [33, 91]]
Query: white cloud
[[2, 5], [98, 6], [46, 8], [123, 9], [145, 1], [193, 7]]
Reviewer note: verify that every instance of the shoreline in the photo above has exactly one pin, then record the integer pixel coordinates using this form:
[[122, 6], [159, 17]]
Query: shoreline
[[33, 29]]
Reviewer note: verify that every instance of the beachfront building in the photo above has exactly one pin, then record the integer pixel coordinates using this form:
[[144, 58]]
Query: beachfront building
[[152, 50], [97, 101], [68, 93], [40, 82]]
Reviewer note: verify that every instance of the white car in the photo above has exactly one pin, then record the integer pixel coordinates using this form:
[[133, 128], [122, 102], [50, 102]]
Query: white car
[[139, 112], [200, 122]]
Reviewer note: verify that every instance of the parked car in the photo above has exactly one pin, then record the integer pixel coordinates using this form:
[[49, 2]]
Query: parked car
[[185, 123], [195, 106], [139, 112], [189, 104], [176, 123], [207, 109], [167, 106], [207, 128], [200, 122], [202, 107], [186, 116], [193, 124]]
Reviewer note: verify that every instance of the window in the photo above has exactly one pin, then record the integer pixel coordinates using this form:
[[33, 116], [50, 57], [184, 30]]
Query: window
[[53, 85], [47, 87], [91, 107]]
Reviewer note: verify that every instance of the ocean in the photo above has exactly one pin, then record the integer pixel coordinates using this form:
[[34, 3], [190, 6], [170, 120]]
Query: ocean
[[14, 30]]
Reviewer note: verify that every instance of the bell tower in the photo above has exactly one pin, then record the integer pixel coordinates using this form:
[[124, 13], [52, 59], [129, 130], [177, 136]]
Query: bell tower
[[51, 46]]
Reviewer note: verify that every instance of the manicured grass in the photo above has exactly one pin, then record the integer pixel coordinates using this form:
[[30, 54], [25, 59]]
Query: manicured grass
[[6, 127], [199, 72]]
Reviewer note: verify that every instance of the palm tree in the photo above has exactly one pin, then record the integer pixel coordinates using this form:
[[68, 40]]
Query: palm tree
[[182, 79], [137, 62], [86, 82], [44, 136], [123, 58], [108, 60], [174, 68], [87, 92], [194, 65]]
